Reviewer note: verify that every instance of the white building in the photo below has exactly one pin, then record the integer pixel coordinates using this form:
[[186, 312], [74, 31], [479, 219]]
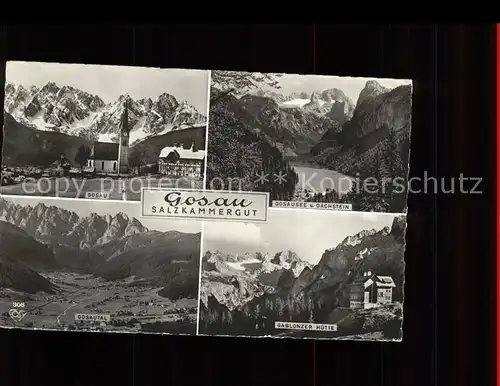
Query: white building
[[177, 161], [104, 157]]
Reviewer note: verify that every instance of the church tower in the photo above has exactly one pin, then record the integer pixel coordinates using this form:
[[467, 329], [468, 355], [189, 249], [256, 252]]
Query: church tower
[[123, 148]]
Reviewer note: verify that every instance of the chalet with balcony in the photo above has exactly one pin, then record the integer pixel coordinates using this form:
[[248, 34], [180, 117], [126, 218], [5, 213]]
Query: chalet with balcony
[[371, 291]]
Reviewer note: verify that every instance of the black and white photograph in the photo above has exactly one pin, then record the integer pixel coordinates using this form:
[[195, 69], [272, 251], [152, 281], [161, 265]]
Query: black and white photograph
[[68, 265], [305, 274], [102, 132], [317, 142]]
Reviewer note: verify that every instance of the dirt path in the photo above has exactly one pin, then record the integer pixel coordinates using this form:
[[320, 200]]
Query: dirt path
[[97, 294]]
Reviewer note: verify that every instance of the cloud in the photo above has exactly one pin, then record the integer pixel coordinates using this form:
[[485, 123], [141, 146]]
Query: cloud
[[370, 217]]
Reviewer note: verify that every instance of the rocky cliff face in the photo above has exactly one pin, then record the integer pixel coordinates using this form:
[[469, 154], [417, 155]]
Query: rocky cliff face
[[378, 107], [68, 110], [332, 103], [287, 260], [236, 280], [374, 143], [378, 251], [371, 90]]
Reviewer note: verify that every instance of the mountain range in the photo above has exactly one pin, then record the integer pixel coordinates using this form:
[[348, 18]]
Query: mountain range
[[344, 128], [67, 110], [330, 102], [234, 280], [42, 238]]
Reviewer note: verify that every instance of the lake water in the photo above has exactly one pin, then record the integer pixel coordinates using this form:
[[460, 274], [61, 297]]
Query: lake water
[[320, 179]]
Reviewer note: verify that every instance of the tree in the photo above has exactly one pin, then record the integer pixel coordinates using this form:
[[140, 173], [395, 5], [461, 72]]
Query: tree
[[310, 307], [240, 82], [257, 310], [82, 156], [279, 307], [224, 318]]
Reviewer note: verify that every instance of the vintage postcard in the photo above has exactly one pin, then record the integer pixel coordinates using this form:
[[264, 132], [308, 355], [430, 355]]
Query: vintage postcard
[[202, 202]]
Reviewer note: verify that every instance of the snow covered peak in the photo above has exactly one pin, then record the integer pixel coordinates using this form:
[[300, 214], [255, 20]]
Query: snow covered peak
[[75, 112]]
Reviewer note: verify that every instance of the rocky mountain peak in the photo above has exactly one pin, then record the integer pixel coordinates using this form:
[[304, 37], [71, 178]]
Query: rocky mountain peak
[[50, 87], [122, 216], [285, 257], [398, 228], [167, 98], [338, 112], [125, 98], [315, 97], [372, 89], [146, 102], [368, 250], [9, 88], [373, 84], [356, 238], [334, 94]]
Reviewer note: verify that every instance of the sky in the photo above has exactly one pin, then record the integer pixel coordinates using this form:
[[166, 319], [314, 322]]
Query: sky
[[306, 232], [109, 82], [316, 83], [132, 209]]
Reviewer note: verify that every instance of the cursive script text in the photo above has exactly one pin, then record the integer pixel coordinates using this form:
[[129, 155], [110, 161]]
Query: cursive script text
[[174, 199]]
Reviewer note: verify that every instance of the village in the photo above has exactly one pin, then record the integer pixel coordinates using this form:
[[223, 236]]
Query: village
[[97, 168], [128, 304]]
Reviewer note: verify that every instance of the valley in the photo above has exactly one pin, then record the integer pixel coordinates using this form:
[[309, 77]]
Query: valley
[[132, 305], [60, 263]]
